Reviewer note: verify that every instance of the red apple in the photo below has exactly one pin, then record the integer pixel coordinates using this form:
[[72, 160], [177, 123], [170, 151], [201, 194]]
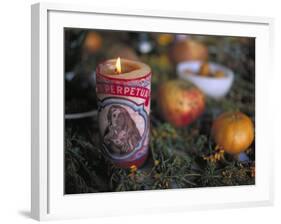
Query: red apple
[[180, 102]]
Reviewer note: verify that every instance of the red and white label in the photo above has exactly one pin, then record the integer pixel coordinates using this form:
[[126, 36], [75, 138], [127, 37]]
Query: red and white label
[[124, 107]]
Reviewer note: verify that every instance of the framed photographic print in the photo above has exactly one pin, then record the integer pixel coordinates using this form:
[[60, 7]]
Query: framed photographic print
[[165, 111]]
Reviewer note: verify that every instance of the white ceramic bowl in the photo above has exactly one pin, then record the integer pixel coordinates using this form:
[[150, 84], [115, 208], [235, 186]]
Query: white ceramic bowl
[[211, 86]]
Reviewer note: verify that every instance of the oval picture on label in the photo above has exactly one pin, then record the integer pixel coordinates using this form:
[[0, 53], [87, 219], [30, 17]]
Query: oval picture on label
[[122, 129]]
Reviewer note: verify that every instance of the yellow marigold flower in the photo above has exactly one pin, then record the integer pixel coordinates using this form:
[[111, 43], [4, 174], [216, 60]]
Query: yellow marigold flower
[[133, 168], [156, 162], [217, 147], [215, 156]]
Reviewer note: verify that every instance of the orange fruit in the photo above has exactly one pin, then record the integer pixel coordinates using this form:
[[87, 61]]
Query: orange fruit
[[233, 132], [92, 42]]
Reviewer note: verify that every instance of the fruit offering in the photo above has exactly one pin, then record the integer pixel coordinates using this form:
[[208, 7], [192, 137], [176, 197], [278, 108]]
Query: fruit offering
[[233, 132], [205, 70], [180, 102], [186, 50]]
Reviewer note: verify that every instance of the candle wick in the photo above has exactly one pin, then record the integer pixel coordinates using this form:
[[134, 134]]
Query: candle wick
[[117, 71]]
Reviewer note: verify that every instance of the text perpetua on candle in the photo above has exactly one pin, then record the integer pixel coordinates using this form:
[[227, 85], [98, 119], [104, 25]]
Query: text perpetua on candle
[[123, 90]]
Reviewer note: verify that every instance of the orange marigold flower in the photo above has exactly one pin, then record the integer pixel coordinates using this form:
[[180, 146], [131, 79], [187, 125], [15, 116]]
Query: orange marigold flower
[[133, 168]]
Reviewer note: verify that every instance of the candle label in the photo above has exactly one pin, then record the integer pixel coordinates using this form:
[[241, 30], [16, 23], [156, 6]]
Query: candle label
[[124, 107], [123, 90]]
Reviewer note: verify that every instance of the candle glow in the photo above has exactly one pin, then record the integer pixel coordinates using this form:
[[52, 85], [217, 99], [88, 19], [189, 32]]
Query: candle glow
[[118, 66]]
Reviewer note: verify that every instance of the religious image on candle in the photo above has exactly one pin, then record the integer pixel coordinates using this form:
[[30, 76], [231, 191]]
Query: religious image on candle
[[157, 110]]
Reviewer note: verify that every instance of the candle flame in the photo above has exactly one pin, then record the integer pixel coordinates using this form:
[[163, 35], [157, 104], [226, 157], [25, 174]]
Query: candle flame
[[118, 66]]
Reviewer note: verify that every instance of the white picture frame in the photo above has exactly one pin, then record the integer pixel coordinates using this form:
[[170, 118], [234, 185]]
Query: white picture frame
[[48, 200]]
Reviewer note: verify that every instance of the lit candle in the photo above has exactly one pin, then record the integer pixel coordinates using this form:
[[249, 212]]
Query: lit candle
[[118, 68], [123, 92]]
